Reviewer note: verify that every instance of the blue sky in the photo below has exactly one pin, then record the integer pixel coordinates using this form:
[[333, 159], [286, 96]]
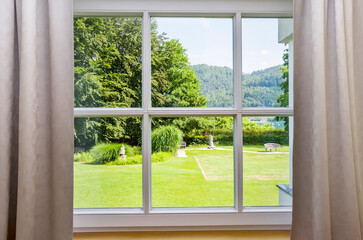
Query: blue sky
[[210, 41]]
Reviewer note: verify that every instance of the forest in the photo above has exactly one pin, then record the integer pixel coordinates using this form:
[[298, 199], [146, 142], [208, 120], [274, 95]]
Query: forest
[[259, 88]]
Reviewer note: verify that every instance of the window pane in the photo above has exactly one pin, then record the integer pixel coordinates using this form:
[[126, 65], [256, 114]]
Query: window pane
[[265, 61], [107, 163], [107, 61], [266, 164], [192, 62], [192, 162]]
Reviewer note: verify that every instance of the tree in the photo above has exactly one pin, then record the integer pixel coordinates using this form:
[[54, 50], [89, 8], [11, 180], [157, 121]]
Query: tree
[[108, 72], [174, 83], [283, 99]]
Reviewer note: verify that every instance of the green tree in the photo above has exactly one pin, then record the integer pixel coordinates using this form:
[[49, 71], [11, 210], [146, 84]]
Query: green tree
[[108, 72], [87, 89], [283, 99]]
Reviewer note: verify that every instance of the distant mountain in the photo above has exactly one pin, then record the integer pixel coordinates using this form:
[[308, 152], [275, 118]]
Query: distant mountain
[[216, 83], [260, 88]]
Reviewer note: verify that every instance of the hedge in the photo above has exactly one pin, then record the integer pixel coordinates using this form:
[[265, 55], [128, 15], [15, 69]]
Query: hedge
[[137, 159], [256, 138], [276, 136]]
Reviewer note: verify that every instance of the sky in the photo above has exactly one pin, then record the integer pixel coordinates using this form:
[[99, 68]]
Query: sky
[[210, 41]]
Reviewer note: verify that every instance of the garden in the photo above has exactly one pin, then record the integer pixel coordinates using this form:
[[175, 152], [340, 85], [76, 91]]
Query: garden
[[195, 176]]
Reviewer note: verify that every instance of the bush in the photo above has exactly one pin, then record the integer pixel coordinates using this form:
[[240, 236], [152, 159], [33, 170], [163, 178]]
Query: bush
[[109, 152], [161, 156], [136, 159], [223, 139], [85, 157], [274, 136], [249, 137], [132, 150], [196, 140], [166, 139]]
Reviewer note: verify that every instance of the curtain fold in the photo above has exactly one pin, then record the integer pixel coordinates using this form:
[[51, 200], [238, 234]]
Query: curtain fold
[[36, 120], [328, 120]]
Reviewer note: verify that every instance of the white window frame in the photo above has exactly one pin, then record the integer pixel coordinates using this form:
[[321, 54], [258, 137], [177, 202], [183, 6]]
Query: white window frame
[[171, 219]]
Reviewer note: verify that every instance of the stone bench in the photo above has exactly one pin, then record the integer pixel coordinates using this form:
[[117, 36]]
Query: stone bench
[[272, 146], [183, 144]]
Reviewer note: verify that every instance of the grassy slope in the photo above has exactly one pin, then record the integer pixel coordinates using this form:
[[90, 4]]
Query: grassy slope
[[179, 182]]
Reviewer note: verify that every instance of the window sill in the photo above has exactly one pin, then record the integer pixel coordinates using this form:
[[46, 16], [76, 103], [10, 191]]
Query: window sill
[[252, 218]]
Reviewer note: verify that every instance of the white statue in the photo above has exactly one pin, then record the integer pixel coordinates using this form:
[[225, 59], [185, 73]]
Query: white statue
[[123, 152], [211, 145]]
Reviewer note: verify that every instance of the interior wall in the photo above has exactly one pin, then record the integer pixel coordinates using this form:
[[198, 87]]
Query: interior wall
[[203, 235]]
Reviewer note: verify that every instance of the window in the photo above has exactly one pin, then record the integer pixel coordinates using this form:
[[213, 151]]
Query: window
[[173, 106], [199, 175], [208, 48]]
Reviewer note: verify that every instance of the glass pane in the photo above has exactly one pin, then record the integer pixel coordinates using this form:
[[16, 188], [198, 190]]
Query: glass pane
[[107, 162], [266, 162], [107, 61], [265, 49], [192, 162], [192, 61]]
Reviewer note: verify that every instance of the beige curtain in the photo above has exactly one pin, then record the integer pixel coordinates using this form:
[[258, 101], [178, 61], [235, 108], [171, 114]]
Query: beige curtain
[[36, 119], [328, 133]]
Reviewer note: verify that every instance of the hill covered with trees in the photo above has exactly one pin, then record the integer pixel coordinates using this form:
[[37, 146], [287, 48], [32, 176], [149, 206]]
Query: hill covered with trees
[[260, 88]]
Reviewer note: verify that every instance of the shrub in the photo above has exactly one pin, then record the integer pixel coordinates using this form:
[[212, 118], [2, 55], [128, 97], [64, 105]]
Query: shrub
[[132, 160], [223, 139], [196, 140], [109, 152], [275, 136], [204, 140], [83, 157], [166, 139], [161, 156], [132, 150], [279, 136], [137, 159]]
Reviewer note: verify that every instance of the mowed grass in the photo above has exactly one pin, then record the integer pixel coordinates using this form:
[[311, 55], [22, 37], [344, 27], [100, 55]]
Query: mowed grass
[[182, 182], [101, 186], [261, 173]]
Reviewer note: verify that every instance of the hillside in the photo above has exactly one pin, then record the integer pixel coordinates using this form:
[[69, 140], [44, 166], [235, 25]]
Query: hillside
[[260, 88]]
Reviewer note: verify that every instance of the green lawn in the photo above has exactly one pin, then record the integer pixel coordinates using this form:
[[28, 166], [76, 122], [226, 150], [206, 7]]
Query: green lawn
[[261, 173], [180, 182]]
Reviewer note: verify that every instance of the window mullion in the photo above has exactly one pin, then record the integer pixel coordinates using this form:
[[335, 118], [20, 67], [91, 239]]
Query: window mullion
[[238, 164], [146, 61], [146, 162], [237, 70], [237, 61], [146, 105], [291, 105]]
